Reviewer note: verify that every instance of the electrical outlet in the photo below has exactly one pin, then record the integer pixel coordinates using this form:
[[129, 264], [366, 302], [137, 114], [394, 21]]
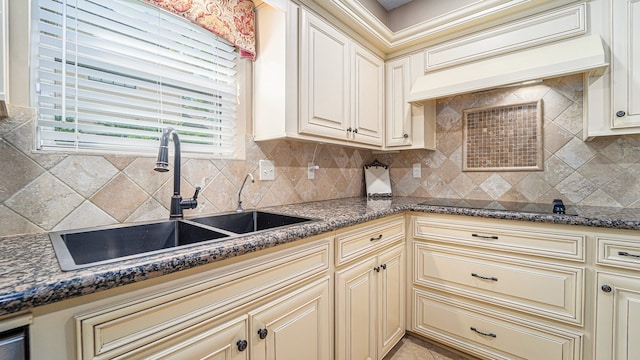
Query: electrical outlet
[[311, 171], [267, 170], [417, 171]]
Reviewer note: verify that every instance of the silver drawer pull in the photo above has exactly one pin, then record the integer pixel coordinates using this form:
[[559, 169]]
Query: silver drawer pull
[[624, 253], [484, 277], [493, 237], [376, 238], [484, 333]]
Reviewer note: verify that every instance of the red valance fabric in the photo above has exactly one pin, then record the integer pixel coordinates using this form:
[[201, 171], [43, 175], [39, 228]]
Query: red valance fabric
[[232, 20]]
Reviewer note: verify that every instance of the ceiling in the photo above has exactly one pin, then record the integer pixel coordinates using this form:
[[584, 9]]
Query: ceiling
[[392, 4]]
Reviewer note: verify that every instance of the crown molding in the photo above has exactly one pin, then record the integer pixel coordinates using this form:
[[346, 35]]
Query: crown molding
[[476, 16]]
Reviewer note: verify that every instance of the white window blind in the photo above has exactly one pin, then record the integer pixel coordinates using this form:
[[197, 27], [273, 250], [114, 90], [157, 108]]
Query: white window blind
[[112, 74]]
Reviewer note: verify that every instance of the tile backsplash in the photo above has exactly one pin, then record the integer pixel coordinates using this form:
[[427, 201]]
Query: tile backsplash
[[52, 191], [602, 172]]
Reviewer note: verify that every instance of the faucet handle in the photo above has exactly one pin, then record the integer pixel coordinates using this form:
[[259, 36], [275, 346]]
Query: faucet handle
[[191, 203]]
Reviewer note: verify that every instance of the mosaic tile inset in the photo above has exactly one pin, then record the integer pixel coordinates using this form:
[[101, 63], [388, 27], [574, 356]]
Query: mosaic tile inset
[[503, 137]]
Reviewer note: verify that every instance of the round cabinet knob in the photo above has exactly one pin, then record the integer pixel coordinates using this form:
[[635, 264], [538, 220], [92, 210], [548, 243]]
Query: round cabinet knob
[[377, 268], [349, 129], [606, 288], [406, 136], [621, 113], [262, 333], [355, 131], [384, 266], [242, 345]]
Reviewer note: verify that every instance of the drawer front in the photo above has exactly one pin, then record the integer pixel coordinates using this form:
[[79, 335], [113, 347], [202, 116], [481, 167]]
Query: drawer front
[[619, 252], [544, 289], [495, 336], [501, 235], [361, 241], [113, 331]]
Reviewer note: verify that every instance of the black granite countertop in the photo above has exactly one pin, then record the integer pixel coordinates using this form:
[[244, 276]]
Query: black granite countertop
[[31, 276]]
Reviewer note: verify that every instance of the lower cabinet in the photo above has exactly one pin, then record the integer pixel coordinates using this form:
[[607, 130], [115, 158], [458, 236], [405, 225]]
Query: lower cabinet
[[618, 296], [370, 312], [288, 327], [223, 341], [488, 333], [294, 326], [618, 317], [498, 289], [274, 305]]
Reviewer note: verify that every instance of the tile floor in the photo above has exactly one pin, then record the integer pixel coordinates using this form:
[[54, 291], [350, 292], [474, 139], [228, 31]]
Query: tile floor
[[412, 348]]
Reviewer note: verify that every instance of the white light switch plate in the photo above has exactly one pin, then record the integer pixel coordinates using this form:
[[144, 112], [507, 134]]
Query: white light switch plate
[[267, 170], [417, 171]]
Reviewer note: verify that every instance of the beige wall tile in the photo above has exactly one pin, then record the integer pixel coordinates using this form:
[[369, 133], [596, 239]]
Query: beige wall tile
[[84, 174], [45, 201], [120, 197]]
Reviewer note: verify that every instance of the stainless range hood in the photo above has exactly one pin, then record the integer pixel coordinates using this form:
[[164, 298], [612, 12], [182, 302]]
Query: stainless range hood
[[580, 55]]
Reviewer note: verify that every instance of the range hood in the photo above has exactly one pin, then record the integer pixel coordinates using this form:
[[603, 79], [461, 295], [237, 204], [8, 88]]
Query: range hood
[[580, 55]]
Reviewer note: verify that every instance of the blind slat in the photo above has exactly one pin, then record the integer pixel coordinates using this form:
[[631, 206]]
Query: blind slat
[[113, 74]]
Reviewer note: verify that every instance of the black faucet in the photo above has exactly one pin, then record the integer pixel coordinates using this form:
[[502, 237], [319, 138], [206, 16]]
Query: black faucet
[[162, 165]]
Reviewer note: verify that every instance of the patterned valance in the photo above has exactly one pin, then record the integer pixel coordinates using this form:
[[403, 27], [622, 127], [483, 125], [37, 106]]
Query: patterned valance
[[232, 20]]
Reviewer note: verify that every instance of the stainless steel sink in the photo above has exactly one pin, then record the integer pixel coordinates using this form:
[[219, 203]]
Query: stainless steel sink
[[249, 221], [78, 249], [102, 245]]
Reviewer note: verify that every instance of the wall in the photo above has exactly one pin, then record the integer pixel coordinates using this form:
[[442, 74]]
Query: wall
[[603, 172], [52, 191], [43, 192]]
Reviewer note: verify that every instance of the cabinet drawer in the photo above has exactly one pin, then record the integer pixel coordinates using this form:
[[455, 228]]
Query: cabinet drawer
[[357, 242], [540, 288], [619, 252], [116, 330], [501, 235], [495, 336]]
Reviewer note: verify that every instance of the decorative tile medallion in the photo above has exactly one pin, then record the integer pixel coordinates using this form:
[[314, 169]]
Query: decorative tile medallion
[[503, 138]]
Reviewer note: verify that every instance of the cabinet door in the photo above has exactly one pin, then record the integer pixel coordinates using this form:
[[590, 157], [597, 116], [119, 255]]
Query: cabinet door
[[367, 102], [355, 310], [294, 326], [223, 342], [625, 63], [392, 294], [4, 45], [617, 317], [324, 79], [398, 111]]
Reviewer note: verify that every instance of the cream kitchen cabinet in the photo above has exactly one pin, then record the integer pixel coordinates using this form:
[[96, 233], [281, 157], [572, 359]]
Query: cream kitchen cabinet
[[625, 50], [293, 326], [217, 312], [498, 289], [617, 297], [4, 52], [407, 126], [313, 82], [341, 85], [618, 314], [612, 103], [370, 293]]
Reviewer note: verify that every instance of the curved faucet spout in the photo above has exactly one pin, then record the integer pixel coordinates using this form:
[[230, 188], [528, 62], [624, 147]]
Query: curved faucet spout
[[162, 165], [239, 209]]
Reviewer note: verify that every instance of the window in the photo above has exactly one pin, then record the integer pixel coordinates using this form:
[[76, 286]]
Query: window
[[110, 75]]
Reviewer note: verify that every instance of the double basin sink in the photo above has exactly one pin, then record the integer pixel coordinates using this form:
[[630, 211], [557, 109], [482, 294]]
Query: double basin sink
[[90, 247]]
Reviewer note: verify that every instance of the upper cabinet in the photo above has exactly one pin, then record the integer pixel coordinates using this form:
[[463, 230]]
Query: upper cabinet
[[407, 126], [313, 82], [4, 45], [341, 85], [612, 106], [625, 50]]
